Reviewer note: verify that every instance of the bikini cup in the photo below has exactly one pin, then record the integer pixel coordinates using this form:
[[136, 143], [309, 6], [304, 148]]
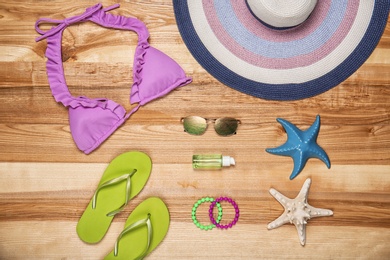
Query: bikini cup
[[92, 121]]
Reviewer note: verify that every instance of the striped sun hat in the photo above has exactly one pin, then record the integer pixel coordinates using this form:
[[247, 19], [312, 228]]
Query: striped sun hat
[[281, 49]]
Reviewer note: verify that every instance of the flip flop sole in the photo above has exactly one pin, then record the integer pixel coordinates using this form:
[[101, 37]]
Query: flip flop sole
[[94, 223], [134, 242]]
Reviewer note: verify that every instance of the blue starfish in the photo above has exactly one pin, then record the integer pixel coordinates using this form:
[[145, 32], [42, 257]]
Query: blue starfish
[[300, 145]]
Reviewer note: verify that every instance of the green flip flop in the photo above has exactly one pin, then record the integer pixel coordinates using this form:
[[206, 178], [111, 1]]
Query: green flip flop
[[122, 180], [145, 228]]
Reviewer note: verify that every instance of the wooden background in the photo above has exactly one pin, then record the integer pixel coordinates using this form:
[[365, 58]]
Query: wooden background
[[46, 182]]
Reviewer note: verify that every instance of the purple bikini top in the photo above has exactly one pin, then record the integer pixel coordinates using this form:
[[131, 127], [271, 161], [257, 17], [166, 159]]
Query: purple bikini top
[[93, 120]]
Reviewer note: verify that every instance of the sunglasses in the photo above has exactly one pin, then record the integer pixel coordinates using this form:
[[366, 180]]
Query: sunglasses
[[197, 125]]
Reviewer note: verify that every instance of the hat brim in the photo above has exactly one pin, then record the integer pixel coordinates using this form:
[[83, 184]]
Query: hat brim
[[225, 66]]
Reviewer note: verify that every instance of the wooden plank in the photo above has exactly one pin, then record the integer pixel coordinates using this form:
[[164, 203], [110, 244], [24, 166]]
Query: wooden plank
[[344, 144], [353, 242], [61, 186]]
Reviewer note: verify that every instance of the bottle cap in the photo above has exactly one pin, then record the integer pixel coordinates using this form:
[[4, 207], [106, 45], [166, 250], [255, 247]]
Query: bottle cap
[[227, 161]]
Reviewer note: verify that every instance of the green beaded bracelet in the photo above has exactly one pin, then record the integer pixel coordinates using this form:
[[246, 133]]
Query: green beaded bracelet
[[195, 207]]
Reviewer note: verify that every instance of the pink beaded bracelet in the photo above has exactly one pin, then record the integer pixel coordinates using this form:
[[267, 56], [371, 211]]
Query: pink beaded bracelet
[[235, 208]]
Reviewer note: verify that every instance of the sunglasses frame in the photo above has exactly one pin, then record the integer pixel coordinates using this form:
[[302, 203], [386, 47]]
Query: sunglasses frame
[[210, 120]]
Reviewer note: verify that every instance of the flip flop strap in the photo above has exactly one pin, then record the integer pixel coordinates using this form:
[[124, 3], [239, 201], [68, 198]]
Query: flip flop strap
[[133, 226], [108, 183]]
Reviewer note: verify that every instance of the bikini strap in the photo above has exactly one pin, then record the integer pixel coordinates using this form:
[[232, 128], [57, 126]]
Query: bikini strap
[[54, 64], [62, 24], [55, 71]]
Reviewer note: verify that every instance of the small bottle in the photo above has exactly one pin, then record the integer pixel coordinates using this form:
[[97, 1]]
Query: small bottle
[[211, 161]]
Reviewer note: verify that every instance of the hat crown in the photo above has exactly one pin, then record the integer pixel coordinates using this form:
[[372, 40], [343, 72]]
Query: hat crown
[[281, 13]]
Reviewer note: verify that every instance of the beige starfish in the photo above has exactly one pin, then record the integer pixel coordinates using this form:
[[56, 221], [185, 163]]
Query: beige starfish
[[297, 211]]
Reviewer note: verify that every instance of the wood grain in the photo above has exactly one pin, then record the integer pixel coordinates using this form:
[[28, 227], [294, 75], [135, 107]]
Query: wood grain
[[46, 182]]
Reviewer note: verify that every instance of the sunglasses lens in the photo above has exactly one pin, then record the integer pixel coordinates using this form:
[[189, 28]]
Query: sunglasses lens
[[226, 126], [194, 125]]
